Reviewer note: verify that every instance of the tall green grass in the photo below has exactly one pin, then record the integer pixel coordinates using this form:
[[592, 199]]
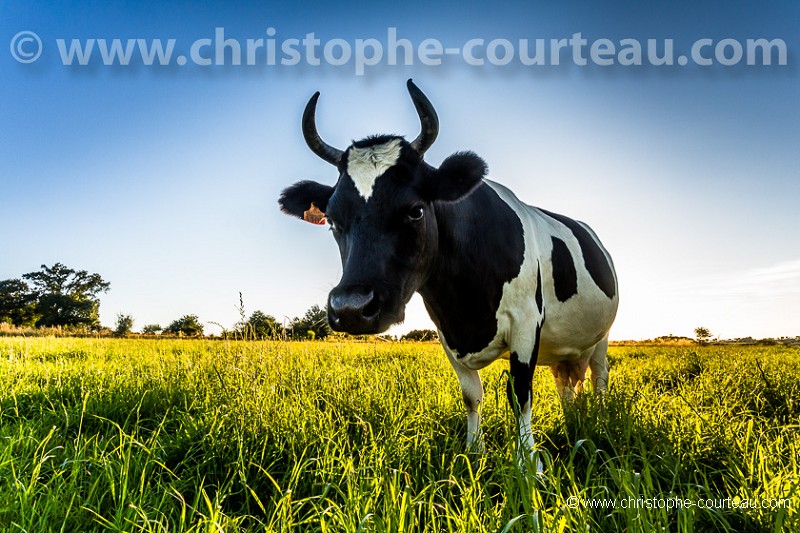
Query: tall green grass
[[190, 435]]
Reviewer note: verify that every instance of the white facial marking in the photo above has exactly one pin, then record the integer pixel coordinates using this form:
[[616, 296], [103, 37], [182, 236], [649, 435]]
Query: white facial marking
[[365, 165]]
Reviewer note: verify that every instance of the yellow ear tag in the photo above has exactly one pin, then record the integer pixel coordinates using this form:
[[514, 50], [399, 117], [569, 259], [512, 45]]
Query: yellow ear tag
[[314, 215]]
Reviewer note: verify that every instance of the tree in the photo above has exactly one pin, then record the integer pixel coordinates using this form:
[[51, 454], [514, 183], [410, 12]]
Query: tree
[[261, 326], [151, 329], [187, 326], [17, 303], [124, 325], [702, 334], [420, 335], [67, 297], [315, 320]]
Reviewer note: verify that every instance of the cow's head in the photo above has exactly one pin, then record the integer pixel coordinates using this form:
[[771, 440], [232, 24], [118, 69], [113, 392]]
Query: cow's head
[[382, 214]]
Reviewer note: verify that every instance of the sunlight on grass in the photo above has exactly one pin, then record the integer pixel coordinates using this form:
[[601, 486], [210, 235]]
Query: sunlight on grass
[[192, 435]]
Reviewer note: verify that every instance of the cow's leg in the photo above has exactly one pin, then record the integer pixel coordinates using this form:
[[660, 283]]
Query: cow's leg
[[520, 395], [598, 364], [472, 394]]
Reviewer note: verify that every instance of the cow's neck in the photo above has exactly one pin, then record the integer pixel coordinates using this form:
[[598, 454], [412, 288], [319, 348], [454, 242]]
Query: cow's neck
[[481, 247]]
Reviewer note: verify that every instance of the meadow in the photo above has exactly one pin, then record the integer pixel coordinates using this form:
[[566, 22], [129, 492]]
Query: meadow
[[202, 436]]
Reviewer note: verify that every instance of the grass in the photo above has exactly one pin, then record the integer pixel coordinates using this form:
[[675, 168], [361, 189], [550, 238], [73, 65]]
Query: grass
[[192, 435]]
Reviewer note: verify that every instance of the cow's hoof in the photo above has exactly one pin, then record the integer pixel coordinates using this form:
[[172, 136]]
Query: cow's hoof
[[476, 447], [531, 463]]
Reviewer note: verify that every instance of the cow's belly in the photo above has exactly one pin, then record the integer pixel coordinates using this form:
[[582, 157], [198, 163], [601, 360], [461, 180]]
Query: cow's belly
[[570, 330], [549, 354]]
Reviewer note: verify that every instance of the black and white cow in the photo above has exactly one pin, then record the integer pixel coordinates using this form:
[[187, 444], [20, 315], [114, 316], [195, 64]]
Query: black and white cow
[[499, 278]]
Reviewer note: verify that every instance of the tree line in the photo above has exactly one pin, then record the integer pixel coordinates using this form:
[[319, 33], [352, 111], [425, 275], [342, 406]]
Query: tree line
[[61, 297], [259, 326]]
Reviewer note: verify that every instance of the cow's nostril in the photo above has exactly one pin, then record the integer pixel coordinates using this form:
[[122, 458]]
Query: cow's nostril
[[373, 307]]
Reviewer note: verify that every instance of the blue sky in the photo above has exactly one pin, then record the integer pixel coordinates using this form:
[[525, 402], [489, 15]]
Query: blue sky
[[164, 179]]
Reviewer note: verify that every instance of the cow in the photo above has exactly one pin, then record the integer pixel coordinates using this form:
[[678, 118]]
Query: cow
[[499, 278]]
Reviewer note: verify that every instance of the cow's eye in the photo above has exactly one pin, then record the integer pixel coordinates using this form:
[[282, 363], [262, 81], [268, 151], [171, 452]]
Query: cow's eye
[[415, 213], [331, 225]]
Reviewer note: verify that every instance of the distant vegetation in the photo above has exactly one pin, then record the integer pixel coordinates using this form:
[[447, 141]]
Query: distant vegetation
[[186, 326], [55, 296], [420, 335], [124, 325], [703, 335], [61, 301], [152, 329]]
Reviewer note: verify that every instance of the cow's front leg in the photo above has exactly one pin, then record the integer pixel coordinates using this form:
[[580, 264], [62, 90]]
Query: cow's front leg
[[472, 394], [520, 394]]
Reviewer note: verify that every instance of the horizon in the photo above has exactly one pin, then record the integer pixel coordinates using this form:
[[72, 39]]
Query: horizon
[[164, 179], [709, 337]]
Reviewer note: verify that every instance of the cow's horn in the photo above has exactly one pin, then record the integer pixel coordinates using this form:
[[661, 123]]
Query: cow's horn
[[427, 117], [313, 140]]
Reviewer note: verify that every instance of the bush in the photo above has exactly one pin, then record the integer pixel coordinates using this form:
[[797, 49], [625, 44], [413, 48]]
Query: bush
[[420, 335], [124, 325], [186, 326], [152, 329]]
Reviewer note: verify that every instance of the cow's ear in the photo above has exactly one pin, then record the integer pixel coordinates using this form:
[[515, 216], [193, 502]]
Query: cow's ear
[[457, 176], [306, 200]]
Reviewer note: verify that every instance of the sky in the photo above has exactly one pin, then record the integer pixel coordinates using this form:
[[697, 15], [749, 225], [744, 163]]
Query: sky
[[164, 179]]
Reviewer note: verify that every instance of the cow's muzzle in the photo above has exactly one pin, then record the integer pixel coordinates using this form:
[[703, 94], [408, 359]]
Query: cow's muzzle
[[354, 310]]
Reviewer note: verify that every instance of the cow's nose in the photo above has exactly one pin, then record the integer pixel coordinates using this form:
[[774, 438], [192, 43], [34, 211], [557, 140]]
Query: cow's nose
[[353, 311]]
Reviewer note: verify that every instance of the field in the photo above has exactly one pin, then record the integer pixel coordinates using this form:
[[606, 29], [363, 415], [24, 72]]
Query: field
[[193, 435]]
